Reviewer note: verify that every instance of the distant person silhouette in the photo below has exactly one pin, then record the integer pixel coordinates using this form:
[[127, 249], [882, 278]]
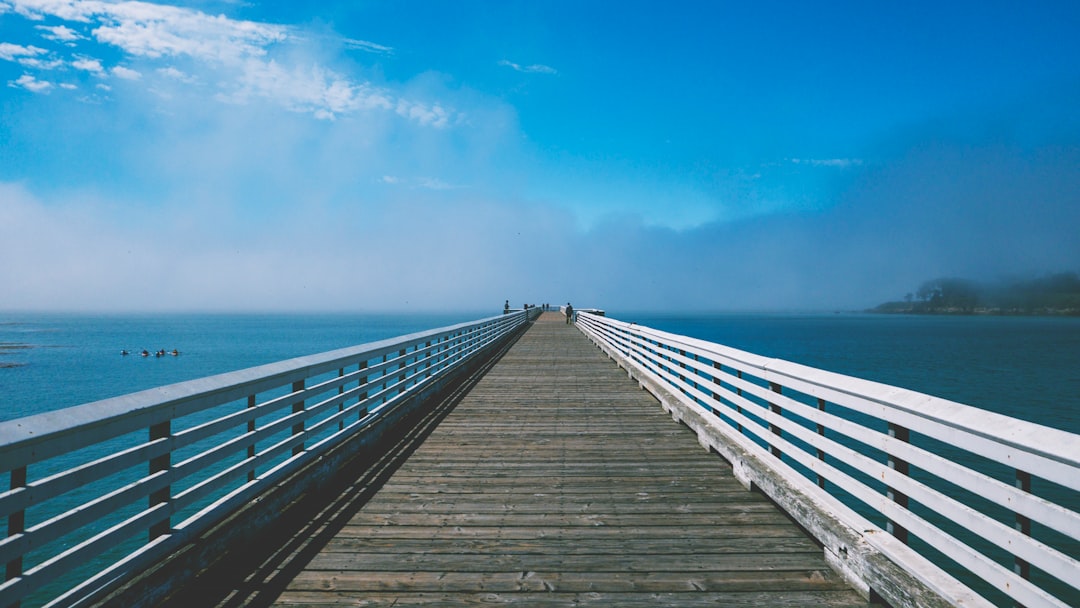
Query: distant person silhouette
[[569, 313]]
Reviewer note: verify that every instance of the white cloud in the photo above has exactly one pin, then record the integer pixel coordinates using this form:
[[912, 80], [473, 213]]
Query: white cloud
[[29, 56], [842, 163], [37, 9], [125, 73], [156, 30], [326, 93], [68, 86], [432, 183], [88, 64], [166, 31], [60, 33], [28, 82], [536, 68], [41, 64], [175, 74], [423, 183], [236, 54], [370, 47], [12, 52], [303, 89], [432, 115]]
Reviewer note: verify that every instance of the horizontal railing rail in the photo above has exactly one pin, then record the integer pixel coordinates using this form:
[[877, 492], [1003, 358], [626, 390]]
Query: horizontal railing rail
[[101, 490], [985, 502]]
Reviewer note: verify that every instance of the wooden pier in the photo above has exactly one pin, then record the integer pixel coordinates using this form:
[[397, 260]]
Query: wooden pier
[[517, 460], [554, 481]]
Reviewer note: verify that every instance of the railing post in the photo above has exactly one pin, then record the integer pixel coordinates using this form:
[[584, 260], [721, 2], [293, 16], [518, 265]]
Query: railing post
[[821, 452], [1023, 525], [427, 359], [900, 466], [682, 378], [157, 465], [251, 431], [716, 380], [385, 358], [16, 524], [362, 411], [298, 428], [341, 406], [697, 374], [401, 376], [776, 388], [738, 391]]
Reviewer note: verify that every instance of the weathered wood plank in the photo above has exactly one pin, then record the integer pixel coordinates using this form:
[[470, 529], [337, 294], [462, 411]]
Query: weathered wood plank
[[576, 546], [596, 562], [630, 506], [639, 491], [779, 599], [557, 482], [568, 582], [778, 530], [567, 520]]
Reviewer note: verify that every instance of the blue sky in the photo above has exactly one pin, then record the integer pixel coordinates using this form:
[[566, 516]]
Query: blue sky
[[217, 155]]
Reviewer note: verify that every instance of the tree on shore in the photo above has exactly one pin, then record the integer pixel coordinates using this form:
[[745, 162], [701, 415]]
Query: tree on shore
[[1050, 294], [949, 294]]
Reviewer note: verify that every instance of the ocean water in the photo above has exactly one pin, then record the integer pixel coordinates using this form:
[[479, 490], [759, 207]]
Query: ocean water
[[1025, 367], [53, 361]]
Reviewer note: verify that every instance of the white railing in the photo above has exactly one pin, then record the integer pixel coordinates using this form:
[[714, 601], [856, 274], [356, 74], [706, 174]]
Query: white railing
[[979, 507], [102, 490]]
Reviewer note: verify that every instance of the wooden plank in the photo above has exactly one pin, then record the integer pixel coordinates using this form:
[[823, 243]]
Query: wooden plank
[[572, 546], [604, 504], [567, 582], [779, 530], [556, 481], [489, 561], [787, 599]]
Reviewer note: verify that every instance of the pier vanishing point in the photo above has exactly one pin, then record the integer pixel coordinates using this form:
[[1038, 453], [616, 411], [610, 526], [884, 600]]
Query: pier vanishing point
[[524, 460]]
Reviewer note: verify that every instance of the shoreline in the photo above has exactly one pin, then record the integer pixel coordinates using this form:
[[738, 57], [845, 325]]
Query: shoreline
[[903, 308]]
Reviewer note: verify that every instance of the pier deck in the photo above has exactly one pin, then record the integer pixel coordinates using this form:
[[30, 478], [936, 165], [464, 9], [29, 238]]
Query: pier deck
[[554, 481]]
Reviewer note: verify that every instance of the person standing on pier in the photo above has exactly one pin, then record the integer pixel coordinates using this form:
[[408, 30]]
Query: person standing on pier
[[569, 313]]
